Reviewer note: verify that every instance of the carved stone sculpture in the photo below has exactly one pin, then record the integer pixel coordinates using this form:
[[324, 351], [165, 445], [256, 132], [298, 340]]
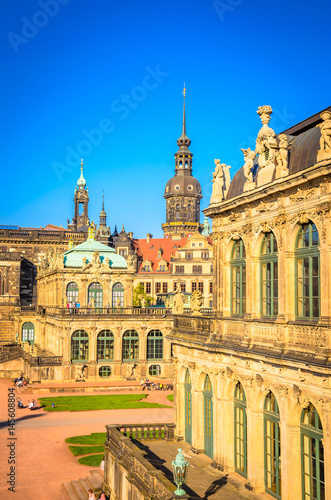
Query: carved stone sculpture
[[221, 182], [325, 141], [178, 304], [247, 168], [130, 262], [196, 302], [282, 156], [95, 258]]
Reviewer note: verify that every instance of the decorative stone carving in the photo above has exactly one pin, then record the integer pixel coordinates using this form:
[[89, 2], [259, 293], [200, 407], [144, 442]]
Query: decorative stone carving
[[324, 152], [178, 303], [259, 380], [282, 156], [308, 336], [249, 157], [302, 194], [221, 182], [130, 263], [95, 258], [196, 302]]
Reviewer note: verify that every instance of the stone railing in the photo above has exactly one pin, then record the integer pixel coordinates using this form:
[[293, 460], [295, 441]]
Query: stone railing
[[193, 324], [149, 431], [105, 311], [125, 461], [43, 360], [41, 234], [10, 352]]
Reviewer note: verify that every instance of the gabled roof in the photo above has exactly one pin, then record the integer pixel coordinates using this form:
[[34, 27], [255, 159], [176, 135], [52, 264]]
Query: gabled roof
[[52, 227], [74, 256], [149, 250]]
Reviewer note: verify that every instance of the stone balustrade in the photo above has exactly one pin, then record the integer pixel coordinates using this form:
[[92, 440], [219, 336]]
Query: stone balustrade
[[104, 311], [149, 431]]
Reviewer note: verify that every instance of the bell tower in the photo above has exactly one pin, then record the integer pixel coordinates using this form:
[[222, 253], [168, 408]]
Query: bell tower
[[183, 191], [80, 221]]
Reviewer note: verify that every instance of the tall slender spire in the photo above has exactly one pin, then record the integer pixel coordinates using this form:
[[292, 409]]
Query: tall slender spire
[[81, 181], [103, 215], [184, 142]]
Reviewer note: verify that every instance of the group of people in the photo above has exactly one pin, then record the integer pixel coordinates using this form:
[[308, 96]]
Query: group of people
[[31, 404], [73, 306], [20, 381], [91, 495]]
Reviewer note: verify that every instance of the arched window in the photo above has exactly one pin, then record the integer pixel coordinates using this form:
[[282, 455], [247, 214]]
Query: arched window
[[154, 345], [72, 292], [269, 276], [240, 431], [307, 272], [105, 345], [95, 295], [272, 466], [177, 211], [208, 417], [238, 279], [130, 346], [118, 295], [312, 451], [79, 346], [188, 407], [28, 333]]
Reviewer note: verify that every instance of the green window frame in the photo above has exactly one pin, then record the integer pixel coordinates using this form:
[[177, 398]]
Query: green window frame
[[105, 345], [104, 371], [188, 407], [154, 370], [154, 345], [130, 346], [240, 431], [272, 447], [118, 295], [312, 455], [307, 273], [269, 276], [238, 279], [28, 333], [95, 294], [208, 417], [72, 292], [79, 346]]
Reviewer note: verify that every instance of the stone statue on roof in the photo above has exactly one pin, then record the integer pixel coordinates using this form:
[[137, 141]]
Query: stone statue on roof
[[249, 157], [221, 182], [325, 140]]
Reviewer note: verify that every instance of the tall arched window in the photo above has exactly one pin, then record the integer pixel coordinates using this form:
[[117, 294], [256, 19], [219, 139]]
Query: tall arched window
[[272, 454], [79, 346], [240, 431], [177, 211], [118, 295], [105, 345], [130, 346], [307, 271], [154, 345], [238, 279], [188, 407], [72, 292], [269, 276], [95, 295], [312, 450], [208, 417], [28, 333]]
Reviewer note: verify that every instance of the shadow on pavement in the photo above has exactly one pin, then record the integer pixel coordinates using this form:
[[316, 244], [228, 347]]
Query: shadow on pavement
[[20, 419], [215, 487]]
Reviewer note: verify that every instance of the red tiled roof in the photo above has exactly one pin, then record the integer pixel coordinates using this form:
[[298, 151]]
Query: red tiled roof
[[144, 250]]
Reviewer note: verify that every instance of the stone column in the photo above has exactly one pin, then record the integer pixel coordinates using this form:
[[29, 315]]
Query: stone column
[[255, 447], [291, 462]]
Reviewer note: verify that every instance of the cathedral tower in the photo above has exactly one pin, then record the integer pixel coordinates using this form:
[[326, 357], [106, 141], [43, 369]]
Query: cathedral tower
[[183, 191], [80, 221]]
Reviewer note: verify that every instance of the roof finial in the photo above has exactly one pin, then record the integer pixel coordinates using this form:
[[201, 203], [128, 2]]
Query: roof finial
[[184, 141], [103, 200], [81, 181]]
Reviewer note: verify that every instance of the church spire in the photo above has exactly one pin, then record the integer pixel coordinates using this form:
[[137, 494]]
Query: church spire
[[103, 215], [184, 142]]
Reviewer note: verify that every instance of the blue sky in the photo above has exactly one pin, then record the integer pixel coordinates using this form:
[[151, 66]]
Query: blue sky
[[102, 80]]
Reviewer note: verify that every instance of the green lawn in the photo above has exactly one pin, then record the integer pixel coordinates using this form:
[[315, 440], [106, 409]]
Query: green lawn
[[89, 403], [94, 438], [170, 397], [85, 450], [91, 460]]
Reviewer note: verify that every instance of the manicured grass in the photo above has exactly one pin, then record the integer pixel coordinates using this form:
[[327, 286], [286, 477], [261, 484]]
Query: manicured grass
[[170, 397], [94, 438], [89, 403], [91, 460], [84, 450]]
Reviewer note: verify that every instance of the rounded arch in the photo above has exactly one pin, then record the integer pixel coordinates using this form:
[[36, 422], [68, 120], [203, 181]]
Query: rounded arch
[[187, 379], [105, 345], [28, 332], [95, 295], [240, 430], [72, 291], [118, 295], [269, 275], [188, 406], [79, 346], [272, 445], [208, 416]]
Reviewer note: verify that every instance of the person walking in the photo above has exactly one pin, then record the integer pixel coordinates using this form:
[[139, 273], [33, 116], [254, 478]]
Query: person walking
[[91, 495]]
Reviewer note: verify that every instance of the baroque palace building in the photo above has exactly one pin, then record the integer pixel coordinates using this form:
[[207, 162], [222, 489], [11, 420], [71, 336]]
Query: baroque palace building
[[43, 270], [253, 381]]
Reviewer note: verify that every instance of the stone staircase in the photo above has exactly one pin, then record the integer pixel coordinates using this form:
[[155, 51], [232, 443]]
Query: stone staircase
[[78, 490]]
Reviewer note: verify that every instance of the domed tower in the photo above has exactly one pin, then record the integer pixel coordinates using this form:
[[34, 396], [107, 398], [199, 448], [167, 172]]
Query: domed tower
[[80, 220], [103, 232], [183, 191]]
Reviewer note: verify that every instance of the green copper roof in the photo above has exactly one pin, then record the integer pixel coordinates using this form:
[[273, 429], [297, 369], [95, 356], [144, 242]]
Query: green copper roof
[[74, 256]]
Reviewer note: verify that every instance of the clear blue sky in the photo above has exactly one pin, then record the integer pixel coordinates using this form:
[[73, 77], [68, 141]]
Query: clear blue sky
[[71, 66]]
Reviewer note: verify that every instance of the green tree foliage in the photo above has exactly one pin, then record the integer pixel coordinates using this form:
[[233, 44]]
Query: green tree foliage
[[138, 296]]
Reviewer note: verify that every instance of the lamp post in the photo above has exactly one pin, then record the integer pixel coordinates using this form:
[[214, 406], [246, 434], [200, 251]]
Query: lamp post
[[179, 469]]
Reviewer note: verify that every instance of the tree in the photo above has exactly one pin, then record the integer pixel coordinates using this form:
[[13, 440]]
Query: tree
[[139, 294]]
